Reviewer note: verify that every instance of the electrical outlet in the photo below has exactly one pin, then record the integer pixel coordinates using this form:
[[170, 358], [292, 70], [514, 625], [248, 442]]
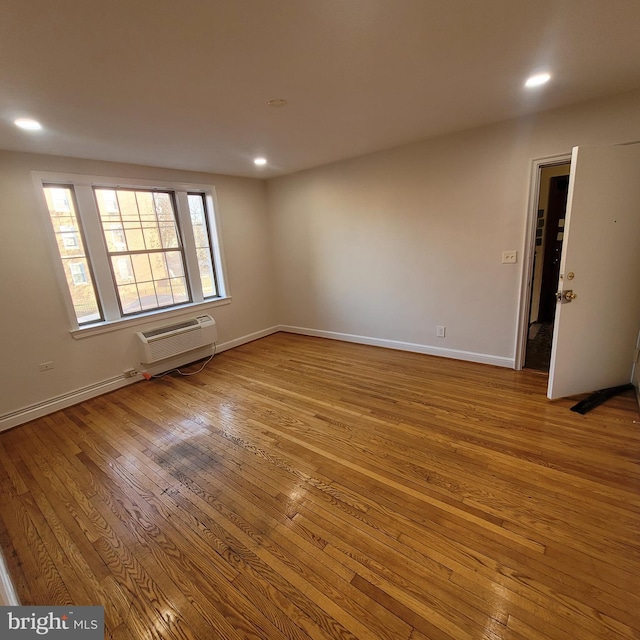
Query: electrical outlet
[[45, 366], [509, 257], [130, 373], [441, 331]]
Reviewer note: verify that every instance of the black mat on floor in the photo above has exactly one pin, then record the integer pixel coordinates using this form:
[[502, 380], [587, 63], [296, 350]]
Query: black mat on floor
[[598, 397]]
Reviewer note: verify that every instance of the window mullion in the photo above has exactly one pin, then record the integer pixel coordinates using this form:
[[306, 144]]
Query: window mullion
[[97, 252], [189, 245]]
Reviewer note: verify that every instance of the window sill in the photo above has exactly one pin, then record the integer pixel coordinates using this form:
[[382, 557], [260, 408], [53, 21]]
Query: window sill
[[146, 318]]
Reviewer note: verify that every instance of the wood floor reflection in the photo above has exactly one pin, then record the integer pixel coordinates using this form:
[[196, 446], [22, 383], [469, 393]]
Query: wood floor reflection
[[307, 488]]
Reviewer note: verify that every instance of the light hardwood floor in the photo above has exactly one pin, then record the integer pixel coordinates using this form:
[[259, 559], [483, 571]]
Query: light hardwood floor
[[307, 488]]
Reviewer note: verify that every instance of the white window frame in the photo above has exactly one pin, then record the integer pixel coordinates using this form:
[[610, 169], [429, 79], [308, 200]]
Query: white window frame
[[89, 219]]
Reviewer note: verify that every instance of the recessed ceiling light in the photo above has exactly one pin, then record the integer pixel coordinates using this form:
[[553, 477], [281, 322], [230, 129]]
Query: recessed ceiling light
[[260, 162], [278, 102], [28, 124], [537, 80]]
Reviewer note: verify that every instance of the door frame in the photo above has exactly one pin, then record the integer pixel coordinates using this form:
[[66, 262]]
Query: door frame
[[526, 284]]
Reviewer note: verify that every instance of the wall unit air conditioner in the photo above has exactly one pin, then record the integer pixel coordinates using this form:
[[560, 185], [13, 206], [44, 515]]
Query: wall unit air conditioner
[[189, 338]]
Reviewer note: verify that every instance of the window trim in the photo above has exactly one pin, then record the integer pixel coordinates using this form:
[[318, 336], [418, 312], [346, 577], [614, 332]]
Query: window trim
[[89, 220]]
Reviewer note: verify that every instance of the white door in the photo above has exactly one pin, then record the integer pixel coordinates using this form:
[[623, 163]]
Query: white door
[[595, 334]]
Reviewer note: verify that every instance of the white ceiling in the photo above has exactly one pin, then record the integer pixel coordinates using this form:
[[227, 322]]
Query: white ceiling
[[185, 83]]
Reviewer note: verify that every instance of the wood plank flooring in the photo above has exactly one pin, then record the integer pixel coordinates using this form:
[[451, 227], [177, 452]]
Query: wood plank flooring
[[307, 488]]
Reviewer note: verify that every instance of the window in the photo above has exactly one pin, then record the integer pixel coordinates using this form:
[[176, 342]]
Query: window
[[143, 240], [60, 199], [202, 234], [65, 223], [128, 250], [69, 236], [109, 201], [69, 240], [78, 273]]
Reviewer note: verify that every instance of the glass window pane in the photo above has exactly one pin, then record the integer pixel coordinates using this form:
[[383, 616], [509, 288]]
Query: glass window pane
[[116, 239], [60, 199], [180, 291], [135, 240], [66, 227], [196, 208], [164, 207], [169, 236], [78, 272], [146, 206], [128, 207], [145, 249], [174, 263], [207, 278], [69, 242], [201, 236], [141, 268], [107, 200], [122, 269], [200, 224], [152, 238], [147, 293], [129, 299], [79, 283], [158, 266], [111, 225], [164, 292]]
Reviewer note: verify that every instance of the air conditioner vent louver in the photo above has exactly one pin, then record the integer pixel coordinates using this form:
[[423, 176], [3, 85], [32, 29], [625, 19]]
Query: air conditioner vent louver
[[173, 327], [176, 339]]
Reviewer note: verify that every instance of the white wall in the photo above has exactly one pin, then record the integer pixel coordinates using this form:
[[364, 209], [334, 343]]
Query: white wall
[[387, 246], [33, 323], [381, 248]]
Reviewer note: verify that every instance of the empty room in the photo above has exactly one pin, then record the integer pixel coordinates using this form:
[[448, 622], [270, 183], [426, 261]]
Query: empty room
[[320, 319]]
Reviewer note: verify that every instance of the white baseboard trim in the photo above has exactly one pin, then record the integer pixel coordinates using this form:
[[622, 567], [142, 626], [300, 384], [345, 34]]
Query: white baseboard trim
[[223, 346], [20, 416], [25, 414], [455, 354]]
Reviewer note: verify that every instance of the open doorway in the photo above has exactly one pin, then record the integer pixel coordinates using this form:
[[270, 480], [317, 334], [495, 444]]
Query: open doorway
[[552, 203]]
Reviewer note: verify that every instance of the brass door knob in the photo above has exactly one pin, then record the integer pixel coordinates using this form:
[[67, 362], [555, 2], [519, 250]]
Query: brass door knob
[[566, 296]]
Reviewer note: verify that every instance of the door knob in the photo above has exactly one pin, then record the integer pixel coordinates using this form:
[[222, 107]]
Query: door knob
[[566, 296]]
